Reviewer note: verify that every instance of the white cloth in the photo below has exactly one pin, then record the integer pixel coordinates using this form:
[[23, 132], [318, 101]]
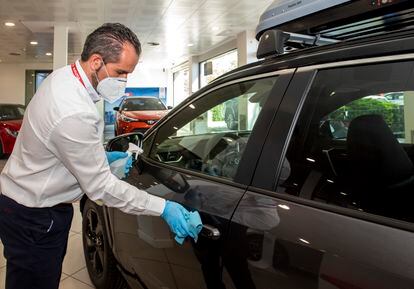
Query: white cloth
[[59, 155]]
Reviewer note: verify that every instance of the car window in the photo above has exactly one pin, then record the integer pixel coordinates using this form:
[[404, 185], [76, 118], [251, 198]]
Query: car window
[[138, 104], [353, 143], [210, 134], [11, 112]]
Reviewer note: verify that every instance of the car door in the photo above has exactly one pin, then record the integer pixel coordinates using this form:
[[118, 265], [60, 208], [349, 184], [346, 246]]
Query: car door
[[329, 209], [195, 158]]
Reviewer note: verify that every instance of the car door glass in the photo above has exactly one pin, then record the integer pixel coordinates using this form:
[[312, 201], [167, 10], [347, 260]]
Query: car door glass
[[210, 134], [353, 143]]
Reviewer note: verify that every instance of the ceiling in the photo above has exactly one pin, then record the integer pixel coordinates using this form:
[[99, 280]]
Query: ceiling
[[182, 27]]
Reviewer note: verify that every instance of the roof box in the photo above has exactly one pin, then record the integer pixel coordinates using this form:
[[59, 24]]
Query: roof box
[[283, 11]]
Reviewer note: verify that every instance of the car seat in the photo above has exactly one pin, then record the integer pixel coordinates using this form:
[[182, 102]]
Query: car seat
[[381, 175]]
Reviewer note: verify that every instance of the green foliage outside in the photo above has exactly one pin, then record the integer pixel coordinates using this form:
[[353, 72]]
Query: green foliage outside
[[392, 113], [218, 112]]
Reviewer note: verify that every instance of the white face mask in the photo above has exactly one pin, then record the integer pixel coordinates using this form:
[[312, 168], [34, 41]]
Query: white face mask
[[111, 88]]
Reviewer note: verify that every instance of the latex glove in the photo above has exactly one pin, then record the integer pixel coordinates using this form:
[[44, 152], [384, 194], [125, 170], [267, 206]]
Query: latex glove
[[115, 155], [128, 165], [195, 226], [177, 218]]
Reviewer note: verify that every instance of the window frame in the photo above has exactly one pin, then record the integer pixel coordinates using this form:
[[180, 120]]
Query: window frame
[[256, 139], [291, 109]]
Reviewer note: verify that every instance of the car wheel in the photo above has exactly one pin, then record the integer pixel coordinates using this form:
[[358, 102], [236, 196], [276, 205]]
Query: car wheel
[[231, 121], [100, 261]]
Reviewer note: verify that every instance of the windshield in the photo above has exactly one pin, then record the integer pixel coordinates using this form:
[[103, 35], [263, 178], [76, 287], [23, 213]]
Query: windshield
[[143, 104], [11, 112]]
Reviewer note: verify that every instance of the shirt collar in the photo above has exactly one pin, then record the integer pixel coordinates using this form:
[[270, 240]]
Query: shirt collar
[[89, 88]]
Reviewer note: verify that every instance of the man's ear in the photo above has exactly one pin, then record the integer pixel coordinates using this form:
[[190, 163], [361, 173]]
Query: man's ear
[[96, 62]]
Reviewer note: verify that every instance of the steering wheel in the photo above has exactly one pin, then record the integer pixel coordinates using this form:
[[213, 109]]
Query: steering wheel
[[224, 157]]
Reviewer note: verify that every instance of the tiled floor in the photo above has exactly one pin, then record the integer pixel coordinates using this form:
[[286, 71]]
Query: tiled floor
[[74, 273]]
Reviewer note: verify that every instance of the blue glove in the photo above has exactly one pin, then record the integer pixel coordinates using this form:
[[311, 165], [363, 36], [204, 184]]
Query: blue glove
[[116, 155], [195, 225], [177, 218], [128, 165]]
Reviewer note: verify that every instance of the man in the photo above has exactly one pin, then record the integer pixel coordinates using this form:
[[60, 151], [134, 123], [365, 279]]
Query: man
[[59, 156]]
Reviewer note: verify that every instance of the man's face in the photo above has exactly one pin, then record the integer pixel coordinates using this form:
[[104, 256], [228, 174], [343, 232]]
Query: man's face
[[126, 64]]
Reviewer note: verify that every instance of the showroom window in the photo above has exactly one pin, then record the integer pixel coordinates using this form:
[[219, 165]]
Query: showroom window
[[181, 87], [204, 138], [353, 144], [217, 66]]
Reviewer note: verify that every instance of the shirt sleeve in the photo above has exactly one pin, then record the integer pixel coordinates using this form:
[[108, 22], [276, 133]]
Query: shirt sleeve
[[77, 144]]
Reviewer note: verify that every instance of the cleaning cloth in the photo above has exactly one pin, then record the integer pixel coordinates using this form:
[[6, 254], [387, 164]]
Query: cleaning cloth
[[195, 224]]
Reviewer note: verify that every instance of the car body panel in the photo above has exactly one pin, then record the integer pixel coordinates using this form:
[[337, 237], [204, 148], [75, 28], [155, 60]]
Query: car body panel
[[297, 246], [7, 140]]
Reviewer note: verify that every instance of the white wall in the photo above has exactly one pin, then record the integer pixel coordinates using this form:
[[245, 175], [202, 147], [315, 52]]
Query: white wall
[[12, 80], [148, 76]]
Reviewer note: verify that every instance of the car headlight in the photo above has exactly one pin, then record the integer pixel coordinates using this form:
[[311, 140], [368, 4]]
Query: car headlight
[[11, 132], [127, 119]]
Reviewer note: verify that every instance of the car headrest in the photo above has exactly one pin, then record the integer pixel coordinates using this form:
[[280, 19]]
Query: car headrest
[[375, 153]]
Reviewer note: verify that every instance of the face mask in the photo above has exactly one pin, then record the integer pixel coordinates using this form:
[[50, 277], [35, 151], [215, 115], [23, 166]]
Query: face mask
[[111, 88]]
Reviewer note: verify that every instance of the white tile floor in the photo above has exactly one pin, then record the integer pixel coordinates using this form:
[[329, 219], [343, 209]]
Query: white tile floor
[[74, 273]]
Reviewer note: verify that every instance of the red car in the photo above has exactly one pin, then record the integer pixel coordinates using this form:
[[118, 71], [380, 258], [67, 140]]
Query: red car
[[138, 114], [11, 117]]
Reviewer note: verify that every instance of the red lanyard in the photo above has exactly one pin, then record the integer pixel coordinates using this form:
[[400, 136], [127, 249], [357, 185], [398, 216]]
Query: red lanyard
[[76, 73]]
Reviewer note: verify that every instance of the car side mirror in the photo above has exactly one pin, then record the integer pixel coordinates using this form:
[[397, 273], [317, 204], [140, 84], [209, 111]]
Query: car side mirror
[[169, 107], [116, 108], [121, 142]]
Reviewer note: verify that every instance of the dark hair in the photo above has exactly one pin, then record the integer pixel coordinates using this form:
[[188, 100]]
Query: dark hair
[[108, 40]]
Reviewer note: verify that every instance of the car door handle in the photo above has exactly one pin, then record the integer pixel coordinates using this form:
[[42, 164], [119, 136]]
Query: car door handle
[[210, 232]]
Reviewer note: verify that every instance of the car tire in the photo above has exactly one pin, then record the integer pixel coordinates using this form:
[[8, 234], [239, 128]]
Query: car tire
[[100, 261]]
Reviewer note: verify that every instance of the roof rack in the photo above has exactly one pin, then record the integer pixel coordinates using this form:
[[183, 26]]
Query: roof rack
[[275, 42], [295, 24]]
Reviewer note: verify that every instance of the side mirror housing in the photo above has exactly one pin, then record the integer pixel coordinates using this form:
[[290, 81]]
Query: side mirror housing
[[169, 107]]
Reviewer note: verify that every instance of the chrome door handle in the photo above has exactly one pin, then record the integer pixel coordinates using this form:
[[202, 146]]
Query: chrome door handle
[[210, 232]]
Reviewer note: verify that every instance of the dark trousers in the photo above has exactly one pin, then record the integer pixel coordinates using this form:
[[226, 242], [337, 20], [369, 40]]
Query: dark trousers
[[35, 241]]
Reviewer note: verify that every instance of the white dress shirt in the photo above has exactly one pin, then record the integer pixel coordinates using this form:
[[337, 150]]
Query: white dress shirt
[[59, 155]]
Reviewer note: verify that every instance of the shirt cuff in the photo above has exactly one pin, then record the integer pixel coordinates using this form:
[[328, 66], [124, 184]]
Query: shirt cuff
[[155, 206]]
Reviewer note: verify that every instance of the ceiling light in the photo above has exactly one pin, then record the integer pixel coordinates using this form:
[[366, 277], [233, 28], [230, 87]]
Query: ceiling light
[[216, 28], [152, 43], [190, 44], [9, 24], [33, 42], [48, 54]]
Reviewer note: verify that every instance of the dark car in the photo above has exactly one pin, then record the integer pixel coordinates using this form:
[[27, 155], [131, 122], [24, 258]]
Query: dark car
[[311, 188], [11, 117]]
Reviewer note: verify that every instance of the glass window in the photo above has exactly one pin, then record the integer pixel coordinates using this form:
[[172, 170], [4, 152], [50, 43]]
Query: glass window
[[181, 86], [214, 67], [140, 104], [11, 112], [353, 143], [210, 134]]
